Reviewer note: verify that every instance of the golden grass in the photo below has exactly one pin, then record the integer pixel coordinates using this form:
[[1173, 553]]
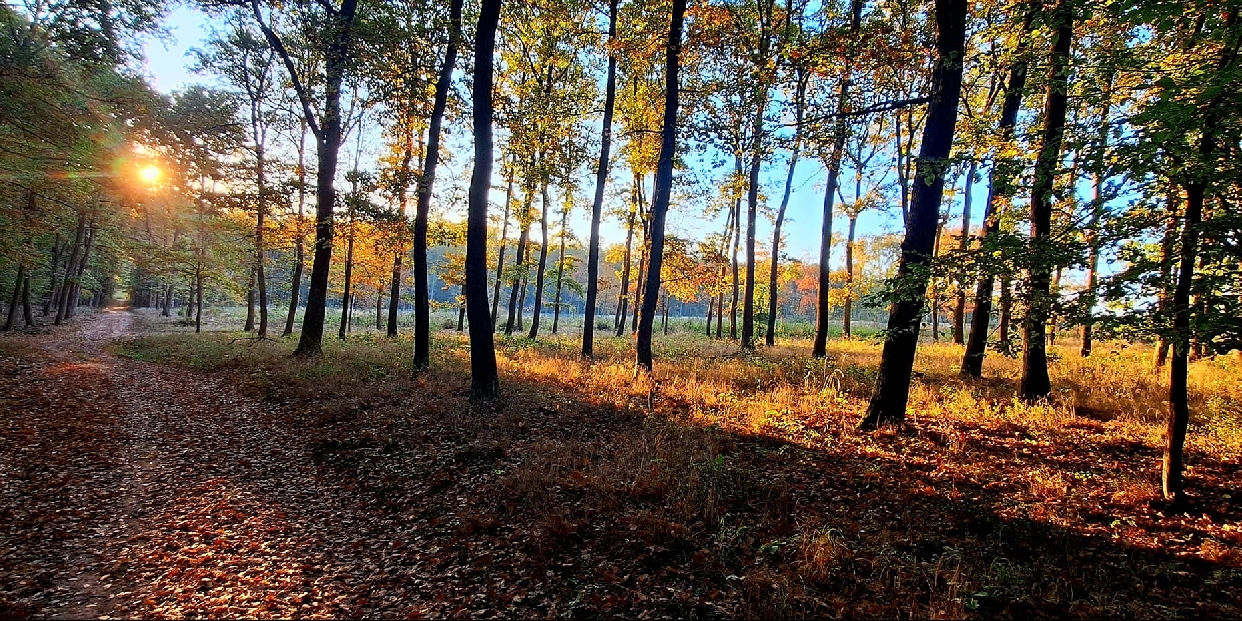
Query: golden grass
[[1080, 467]]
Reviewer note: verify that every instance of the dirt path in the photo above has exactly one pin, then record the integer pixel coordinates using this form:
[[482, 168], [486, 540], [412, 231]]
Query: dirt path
[[132, 489]]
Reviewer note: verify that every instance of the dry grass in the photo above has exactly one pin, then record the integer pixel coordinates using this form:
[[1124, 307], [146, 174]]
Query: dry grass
[[737, 485]]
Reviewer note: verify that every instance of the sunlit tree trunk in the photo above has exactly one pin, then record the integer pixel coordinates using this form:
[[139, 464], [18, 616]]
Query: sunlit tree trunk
[[601, 178], [663, 185], [799, 111], [892, 388], [422, 297], [1000, 188], [484, 380], [823, 310], [504, 237], [299, 253], [1035, 381], [963, 245], [541, 270]]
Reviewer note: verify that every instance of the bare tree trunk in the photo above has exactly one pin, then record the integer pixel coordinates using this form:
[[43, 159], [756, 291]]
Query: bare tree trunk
[[27, 313], [422, 296], [537, 313], [892, 388], [601, 178], [13, 300], [737, 242], [484, 380], [623, 299], [249, 325], [1035, 381], [560, 270], [66, 285], [823, 311], [799, 110], [847, 311], [349, 273], [504, 236], [663, 185], [1000, 188], [295, 288], [519, 261], [963, 245]]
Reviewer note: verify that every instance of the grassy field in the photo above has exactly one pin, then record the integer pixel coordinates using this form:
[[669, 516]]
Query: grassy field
[[737, 484]]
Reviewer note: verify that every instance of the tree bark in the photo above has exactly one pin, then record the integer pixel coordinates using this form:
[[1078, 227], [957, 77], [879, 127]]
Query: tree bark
[[823, 310], [847, 310], [892, 388], [518, 261], [66, 284], [15, 297], [500, 259], [299, 254], [249, 325], [1179, 402], [349, 273], [799, 111], [1035, 381], [540, 274], [623, 300], [560, 269], [51, 286], [338, 48], [597, 206], [663, 186], [1000, 188], [422, 297], [27, 313], [963, 245], [484, 380]]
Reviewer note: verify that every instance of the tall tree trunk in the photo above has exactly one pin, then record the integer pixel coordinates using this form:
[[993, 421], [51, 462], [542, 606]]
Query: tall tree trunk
[[1035, 381], [75, 293], [597, 206], [504, 236], [737, 243], [51, 278], [249, 325], [349, 274], [892, 388], [484, 380], [299, 254], [847, 310], [1000, 188], [338, 50], [16, 297], [518, 262], [461, 310], [167, 309], [560, 269], [641, 281], [27, 313], [799, 111], [537, 313], [752, 212], [823, 310], [260, 251], [66, 285], [623, 299], [422, 296], [1179, 403], [663, 185], [963, 245]]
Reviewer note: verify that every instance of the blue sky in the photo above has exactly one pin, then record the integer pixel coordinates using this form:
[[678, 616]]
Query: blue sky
[[166, 65]]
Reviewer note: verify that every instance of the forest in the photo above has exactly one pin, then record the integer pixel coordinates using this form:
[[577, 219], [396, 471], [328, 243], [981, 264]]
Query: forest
[[636, 308]]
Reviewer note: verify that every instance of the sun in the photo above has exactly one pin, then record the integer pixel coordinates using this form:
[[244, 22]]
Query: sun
[[150, 174]]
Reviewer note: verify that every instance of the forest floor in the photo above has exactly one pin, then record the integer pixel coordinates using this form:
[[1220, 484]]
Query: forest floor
[[154, 474]]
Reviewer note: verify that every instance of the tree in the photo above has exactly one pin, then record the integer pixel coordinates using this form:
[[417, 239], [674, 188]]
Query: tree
[[1000, 189], [892, 388], [337, 38], [601, 179], [422, 309], [663, 184], [484, 380], [1035, 381]]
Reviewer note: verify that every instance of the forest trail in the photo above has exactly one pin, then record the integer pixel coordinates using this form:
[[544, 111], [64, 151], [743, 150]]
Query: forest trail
[[133, 489]]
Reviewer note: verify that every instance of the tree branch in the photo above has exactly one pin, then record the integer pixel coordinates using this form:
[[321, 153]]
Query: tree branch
[[274, 40]]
